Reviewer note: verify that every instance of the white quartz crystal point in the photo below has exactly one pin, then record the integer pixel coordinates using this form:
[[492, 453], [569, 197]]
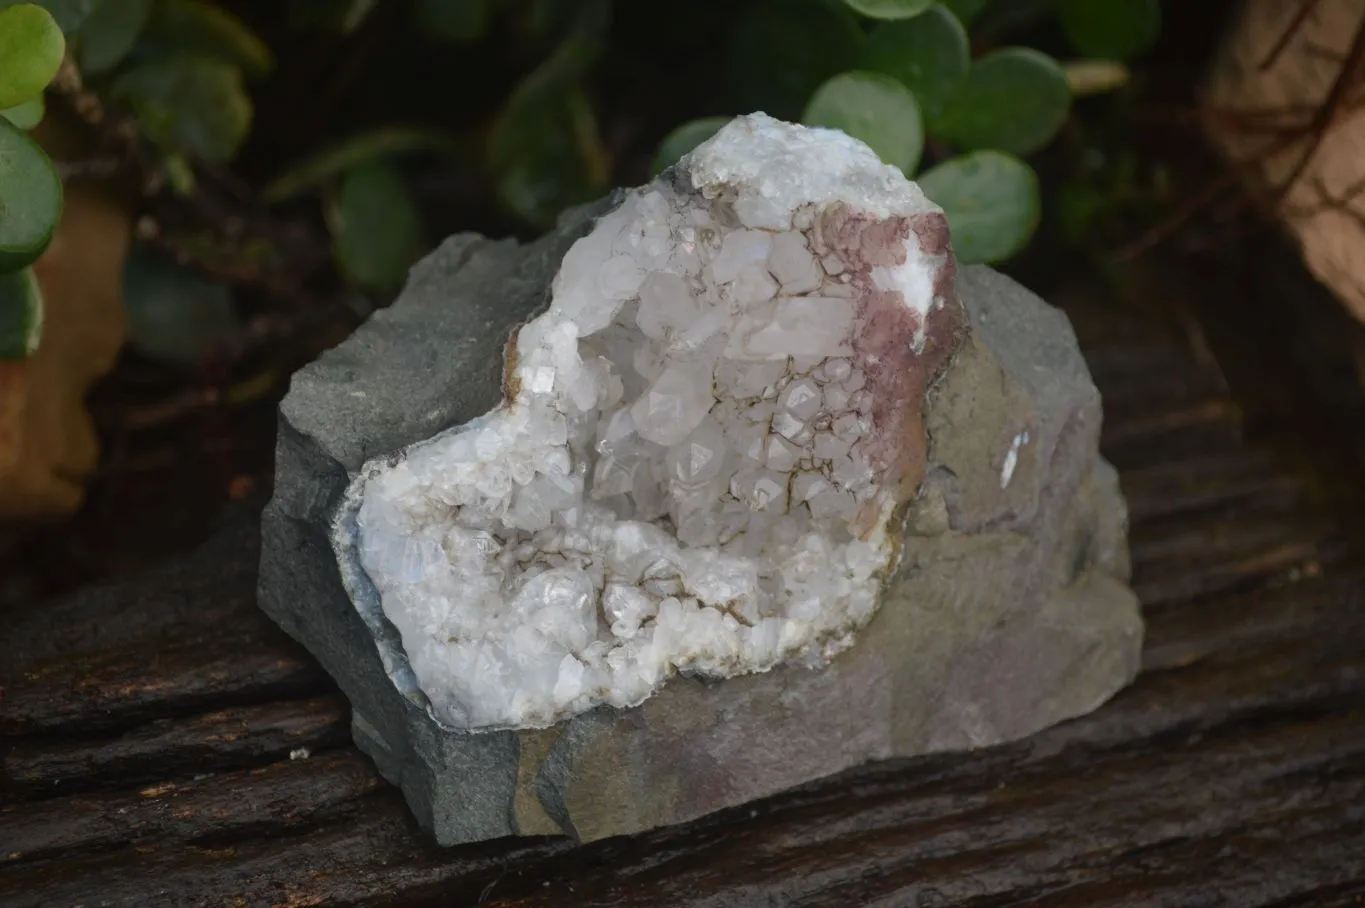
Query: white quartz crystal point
[[707, 440]]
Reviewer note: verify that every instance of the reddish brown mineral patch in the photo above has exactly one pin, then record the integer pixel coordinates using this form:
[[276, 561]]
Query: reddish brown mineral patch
[[931, 229], [899, 367], [861, 240]]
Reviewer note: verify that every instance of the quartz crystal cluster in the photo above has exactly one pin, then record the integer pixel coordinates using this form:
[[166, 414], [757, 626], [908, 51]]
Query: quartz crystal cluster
[[706, 441], [719, 487]]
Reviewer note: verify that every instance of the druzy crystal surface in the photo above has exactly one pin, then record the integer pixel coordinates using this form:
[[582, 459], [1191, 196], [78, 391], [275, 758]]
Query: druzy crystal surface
[[705, 444]]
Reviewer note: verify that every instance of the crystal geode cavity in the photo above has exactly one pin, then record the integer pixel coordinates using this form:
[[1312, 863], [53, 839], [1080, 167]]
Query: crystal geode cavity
[[706, 449], [726, 485]]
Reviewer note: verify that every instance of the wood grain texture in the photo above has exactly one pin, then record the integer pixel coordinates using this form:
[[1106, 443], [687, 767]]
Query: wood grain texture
[[150, 727]]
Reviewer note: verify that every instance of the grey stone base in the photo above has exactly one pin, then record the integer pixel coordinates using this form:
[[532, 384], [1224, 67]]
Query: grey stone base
[[1010, 610]]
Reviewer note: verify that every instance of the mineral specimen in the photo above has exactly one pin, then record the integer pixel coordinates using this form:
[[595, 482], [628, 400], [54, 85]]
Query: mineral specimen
[[707, 443], [762, 499]]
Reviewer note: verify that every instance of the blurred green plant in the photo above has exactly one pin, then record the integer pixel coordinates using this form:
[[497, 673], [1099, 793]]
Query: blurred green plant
[[908, 86], [31, 51], [932, 87], [184, 70]]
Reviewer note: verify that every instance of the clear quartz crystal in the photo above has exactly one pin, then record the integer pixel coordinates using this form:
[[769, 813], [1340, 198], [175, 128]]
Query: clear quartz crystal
[[674, 483]]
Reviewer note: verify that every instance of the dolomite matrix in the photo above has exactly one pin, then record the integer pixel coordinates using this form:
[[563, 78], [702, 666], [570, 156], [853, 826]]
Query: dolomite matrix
[[729, 483]]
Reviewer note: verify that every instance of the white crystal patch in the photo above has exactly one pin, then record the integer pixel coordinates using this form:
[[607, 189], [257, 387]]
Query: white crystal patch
[[682, 476]]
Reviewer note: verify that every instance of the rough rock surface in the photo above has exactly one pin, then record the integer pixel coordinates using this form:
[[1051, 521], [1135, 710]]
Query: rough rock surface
[[1008, 611]]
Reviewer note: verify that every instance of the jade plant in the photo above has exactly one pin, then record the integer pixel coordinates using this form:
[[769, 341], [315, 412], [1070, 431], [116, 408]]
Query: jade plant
[[178, 66], [31, 51], [933, 87], [904, 80]]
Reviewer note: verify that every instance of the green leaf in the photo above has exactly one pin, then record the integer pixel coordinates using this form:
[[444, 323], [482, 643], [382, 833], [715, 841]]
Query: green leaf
[[195, 28], [889, 9], [875, 109], [30, 198], [70, 14], [175, 315], [31, 50], [180, 174], [1113, 29], [376, 228], [457, 21], [191, 105], [348, 153], [21, 314], [26, 115], [545, 150], [1012, 100], [930, 54], [782, 50], [110, 33], [991, 200], [685, 138], [561, 162], [543, 90], [965, 11]]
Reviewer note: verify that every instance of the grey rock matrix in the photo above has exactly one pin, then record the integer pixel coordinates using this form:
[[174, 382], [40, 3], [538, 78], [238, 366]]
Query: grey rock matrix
[[1009, 611]]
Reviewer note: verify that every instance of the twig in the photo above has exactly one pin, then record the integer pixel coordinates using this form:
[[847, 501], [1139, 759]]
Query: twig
[[1176, 219], [1329, 110], [1196, 203], [213, 230], [97, 168], [1306, 8], [1339, 102], [1325, 200], [178, 405]]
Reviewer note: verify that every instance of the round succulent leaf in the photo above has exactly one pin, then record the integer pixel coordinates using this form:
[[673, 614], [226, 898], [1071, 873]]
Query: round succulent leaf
[[109, 33], [782, 50], [26, 115], [564, 166], [889, 9], [547, 153], [929, 54], [31, 50], [30, 198], [199, 29], [376, 228], [1113, 29], [69, 14], [875, 109], [1013, 100], [965, 11], [685, 138], [193, 105], [21, 314], [548, 107], [175, 315], [992, 202]]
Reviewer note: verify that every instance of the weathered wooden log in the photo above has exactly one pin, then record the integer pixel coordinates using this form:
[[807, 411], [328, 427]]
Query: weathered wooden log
[[170, 748], [274, 800], [147, 754], [1239, 745]]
